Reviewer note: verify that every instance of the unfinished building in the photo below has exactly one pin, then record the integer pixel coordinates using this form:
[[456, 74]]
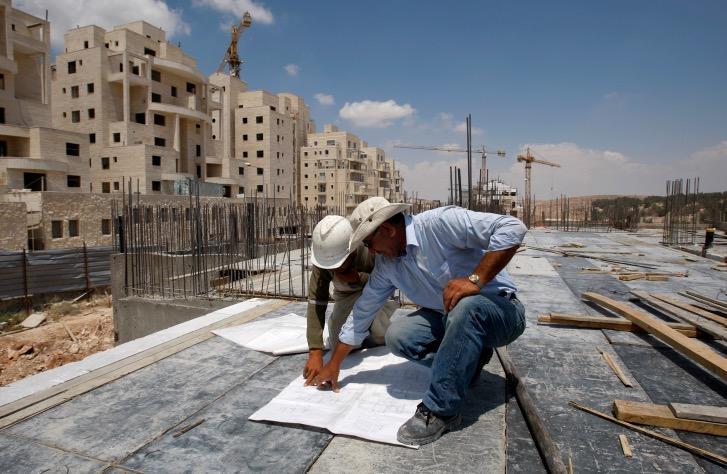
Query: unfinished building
[[339, 170], [33, 156], [140, 103], [256, 137]]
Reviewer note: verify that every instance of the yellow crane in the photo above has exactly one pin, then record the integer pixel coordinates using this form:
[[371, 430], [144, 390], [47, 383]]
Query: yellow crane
[[482, 150], [529, 159], [231, 58]]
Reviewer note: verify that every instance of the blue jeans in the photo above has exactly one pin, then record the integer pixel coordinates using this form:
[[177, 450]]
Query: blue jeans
[[451, 344]]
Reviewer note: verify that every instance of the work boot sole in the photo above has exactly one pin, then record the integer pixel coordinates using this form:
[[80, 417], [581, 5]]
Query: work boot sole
[[449, 426]]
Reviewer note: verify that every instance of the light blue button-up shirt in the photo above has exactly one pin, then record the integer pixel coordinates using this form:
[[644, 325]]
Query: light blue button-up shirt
[[441, 244]]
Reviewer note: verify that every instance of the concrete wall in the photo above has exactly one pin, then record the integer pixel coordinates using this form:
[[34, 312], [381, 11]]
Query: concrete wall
[[12, 233], [138, 317]]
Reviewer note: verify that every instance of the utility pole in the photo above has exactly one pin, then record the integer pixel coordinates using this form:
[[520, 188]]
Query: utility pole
[[469, 161]]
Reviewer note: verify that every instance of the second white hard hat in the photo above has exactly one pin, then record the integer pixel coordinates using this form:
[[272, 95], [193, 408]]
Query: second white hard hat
[[330, 242]]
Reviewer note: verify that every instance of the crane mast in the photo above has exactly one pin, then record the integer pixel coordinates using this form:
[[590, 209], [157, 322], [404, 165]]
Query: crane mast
[[529, 159]]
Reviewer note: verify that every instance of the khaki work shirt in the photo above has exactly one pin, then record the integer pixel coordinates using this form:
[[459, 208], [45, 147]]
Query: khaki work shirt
[[319, 293]]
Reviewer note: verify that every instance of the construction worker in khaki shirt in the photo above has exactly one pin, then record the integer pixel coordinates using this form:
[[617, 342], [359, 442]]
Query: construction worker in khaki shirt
[[349, 271]]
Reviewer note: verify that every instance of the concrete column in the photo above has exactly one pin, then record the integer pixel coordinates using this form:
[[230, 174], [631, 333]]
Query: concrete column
[[127, 99], [176, 133]]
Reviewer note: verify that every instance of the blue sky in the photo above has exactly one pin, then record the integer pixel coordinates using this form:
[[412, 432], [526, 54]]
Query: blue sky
[[624, 94]]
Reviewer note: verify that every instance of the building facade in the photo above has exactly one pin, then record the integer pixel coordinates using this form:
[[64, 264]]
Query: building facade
[[140, 102], [32, 155], [257, 137], [339, 170]]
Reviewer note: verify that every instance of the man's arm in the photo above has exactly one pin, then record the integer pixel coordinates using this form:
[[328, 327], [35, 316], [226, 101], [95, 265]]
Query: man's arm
[[498, 234], [355, 330], [318, 294], [489, 266]]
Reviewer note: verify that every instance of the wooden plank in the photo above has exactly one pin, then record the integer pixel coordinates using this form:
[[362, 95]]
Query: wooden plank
[[660, 415], [35, 403], [691, 308], [699, 412], [604, 322], [716, 458], [713, 329], [695, 350], [631, 276], [625, 446], [657, 278], [615, 367], [712, 301]]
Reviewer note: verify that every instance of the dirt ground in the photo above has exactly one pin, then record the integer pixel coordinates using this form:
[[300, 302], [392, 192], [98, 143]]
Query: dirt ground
[[50, 345]]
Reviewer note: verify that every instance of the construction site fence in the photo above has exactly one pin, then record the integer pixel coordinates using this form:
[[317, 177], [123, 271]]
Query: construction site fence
[[259, 247], [27, 274], [578, 215]]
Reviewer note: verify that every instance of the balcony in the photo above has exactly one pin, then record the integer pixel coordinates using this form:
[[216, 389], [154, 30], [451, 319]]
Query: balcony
[[179, 110], [32, 164], [180, 69]]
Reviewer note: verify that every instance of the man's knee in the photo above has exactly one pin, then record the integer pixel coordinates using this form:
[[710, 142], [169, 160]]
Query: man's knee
[[395, 339]]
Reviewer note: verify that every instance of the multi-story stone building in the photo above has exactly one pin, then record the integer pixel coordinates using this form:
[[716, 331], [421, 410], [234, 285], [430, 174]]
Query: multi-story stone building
[[140, 102], [32, 155], [339, 170], [257, 137]]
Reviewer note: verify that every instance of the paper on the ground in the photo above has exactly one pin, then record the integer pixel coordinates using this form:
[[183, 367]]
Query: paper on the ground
[[279, 335], [379, 392]]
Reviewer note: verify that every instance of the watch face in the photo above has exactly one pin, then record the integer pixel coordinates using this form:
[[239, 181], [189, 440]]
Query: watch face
[[474, 279]]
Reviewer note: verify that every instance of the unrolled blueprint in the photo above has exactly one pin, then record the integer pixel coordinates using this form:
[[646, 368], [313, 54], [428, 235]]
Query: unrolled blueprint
[[279, 335], [378, 393]]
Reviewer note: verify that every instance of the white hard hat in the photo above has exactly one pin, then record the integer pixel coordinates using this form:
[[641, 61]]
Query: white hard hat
[[330, 242], [370, 214]]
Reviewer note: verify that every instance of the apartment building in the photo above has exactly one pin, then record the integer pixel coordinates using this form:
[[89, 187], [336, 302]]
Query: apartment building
[[340, 170], [256, 137], [140, 102], [32, 155]]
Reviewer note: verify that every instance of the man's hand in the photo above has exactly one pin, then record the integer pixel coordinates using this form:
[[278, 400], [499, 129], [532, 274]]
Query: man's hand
[[328, 376], [457, 289], [313, 365]]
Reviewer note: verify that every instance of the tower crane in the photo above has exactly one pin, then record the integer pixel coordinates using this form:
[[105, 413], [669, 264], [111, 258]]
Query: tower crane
[[529, 159], [482, 150], [231, 58]]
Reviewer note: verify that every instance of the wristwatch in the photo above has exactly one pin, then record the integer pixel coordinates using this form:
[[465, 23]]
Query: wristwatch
[[475, 278]]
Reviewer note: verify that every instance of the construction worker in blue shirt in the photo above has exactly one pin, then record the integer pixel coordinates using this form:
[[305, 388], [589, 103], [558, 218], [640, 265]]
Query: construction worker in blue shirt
[[451, 262]]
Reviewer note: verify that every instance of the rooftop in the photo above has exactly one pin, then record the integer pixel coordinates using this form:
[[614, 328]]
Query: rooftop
[[179, 399]]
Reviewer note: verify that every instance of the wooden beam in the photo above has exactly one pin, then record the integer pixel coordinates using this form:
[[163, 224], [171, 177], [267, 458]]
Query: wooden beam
[[695, 350], [615, 367], [660, 415], [700, 297], [716, 458], [699, 412], [625, 446], [605, 322], [713, 329], [631, 276], [691, 308]]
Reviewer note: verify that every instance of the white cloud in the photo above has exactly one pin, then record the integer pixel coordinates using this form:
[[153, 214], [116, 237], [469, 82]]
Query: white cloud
[[586, 171], [377, 114], [430, 179], [259, 13], [67, 14], [324, 99], [446, 122], [583, 172], [292, 69], [461, 127]]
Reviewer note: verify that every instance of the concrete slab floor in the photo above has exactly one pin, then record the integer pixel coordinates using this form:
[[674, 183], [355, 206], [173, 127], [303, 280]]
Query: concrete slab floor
[[129, 424]]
